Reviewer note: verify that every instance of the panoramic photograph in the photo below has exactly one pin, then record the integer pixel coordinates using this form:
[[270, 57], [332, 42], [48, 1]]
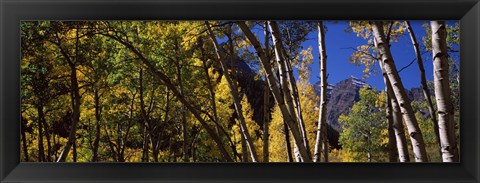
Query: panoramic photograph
[[240, 91]]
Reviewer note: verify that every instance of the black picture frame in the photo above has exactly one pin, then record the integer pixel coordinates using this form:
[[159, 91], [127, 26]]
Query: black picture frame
[[12, 12]]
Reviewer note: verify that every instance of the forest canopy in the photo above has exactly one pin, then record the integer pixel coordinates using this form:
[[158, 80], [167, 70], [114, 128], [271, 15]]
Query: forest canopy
[[240, 91]]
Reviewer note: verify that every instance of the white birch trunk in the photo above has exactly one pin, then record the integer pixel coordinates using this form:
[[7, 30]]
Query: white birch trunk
[[396, 115], [416, 138], [441, 79], [321, 139]]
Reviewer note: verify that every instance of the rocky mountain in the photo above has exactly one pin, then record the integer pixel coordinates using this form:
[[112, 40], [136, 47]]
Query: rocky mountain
[[416, 94], [342, 96]]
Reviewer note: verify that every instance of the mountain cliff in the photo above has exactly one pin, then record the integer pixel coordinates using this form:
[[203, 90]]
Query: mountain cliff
[[342, 96]]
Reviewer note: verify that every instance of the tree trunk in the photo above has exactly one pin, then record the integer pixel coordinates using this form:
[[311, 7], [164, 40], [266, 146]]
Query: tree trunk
[[298, 157], [266, 121], [24, 139], [321, 142], [49, 145], [396, 115], [145, 148], [423, 79], [392, 141], [97, 126], [75, 99], [234, 92], [41, 118], [74, 151], [399, 129], [418, 143], [287, 142], [75, 117], [244, 149], [288, 118], [441, 79], [146, 123], [165, 80], [266, 101]]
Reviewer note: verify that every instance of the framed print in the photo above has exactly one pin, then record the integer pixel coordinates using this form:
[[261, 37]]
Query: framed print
[[239, 91]]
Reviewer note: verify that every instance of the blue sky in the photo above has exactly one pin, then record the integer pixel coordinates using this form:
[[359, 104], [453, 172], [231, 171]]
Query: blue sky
[[339, 67]]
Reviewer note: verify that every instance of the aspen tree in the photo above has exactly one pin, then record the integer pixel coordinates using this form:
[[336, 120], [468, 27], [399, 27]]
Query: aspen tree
[[442, 92]]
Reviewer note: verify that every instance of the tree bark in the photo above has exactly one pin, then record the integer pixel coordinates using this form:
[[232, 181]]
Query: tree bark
[[49, 145], [266, 102], [98, 118], [266, 121], [41, 118], [423, 80], [145, 157], [244, 148], [399, 129], [146, 123], [392, 141], [287, 142], [441, 79], [234, 92], [24, 139], [321, 142], [396, 115], [416, 138], [393, 151], [288, 118], [74, 151]]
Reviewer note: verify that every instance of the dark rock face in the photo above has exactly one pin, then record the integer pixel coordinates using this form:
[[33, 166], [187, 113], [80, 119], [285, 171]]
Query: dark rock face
[[343, 95], [318, 88], [415, 94], [340, 98]]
